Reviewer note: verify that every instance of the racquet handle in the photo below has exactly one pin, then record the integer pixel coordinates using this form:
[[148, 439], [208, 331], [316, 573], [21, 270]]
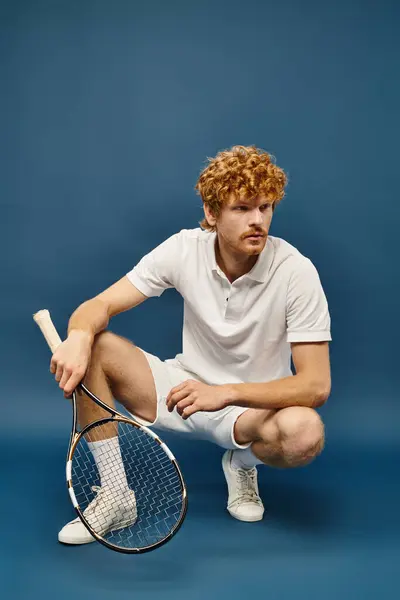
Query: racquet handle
[[46, 325]]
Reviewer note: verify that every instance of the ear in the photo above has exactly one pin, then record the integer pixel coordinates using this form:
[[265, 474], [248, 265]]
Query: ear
[[211, 220]]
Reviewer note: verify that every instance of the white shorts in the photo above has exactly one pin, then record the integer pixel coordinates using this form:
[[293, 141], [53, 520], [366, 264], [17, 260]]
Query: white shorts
[[217, 427]]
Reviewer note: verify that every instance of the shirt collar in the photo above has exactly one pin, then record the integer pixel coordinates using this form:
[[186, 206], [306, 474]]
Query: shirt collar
[[260, 270]]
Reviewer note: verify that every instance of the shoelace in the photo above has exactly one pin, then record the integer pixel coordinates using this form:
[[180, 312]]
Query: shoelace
[[92, 506], [246, 478], [100, 491]]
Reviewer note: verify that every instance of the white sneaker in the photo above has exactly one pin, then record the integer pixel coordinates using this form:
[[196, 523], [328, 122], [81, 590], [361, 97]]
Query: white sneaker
[[105, 513], [244, 502]]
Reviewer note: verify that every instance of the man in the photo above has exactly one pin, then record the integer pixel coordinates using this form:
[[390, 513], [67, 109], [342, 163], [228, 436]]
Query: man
[[251, 302]]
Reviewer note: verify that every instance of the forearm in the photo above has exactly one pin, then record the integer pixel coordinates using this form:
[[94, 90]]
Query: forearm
[[90, 317], [296, 390]]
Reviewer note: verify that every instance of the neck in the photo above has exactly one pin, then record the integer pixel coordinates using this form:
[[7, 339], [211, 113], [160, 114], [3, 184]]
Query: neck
[[233, 265]]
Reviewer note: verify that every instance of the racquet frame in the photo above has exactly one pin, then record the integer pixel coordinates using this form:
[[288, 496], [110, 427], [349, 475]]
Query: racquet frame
[[43, 320]]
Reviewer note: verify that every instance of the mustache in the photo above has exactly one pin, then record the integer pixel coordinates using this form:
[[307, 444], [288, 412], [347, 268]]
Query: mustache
[[263, 233]]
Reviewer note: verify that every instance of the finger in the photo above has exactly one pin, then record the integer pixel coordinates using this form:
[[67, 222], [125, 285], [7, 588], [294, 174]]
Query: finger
[[189, 411], [53, 365], [64, 378], [74, 381], [69, 388], [177, 397], [59, 371], [184, 404], [176, 389]]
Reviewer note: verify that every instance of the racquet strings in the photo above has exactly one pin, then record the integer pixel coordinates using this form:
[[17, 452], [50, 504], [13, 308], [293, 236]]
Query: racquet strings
[[140, 501]]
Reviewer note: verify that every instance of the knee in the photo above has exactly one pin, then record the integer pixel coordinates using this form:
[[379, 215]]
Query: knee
[[106, 347], [302, 434], [102, 343]]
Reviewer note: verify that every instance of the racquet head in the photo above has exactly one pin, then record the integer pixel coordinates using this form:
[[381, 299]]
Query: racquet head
[[142, 501], [134, 511]]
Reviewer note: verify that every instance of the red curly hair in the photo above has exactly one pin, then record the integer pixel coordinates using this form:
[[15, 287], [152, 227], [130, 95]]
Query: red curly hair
[[245, 171]]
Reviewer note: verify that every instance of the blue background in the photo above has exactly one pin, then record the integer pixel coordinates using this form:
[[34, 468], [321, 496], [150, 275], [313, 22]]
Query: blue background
[[108, 112]]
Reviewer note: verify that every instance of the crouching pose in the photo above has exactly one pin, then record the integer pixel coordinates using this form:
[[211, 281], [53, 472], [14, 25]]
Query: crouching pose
[[251, 303]]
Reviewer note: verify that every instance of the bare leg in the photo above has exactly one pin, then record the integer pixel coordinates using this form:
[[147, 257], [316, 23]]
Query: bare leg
[[119, 370], [285, 438]]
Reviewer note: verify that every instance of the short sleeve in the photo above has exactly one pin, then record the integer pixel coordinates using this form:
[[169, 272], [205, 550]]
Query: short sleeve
[[157, 270], [307, 313]]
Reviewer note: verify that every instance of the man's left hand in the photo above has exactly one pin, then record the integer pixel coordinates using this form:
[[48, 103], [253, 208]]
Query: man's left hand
[[192, 396]]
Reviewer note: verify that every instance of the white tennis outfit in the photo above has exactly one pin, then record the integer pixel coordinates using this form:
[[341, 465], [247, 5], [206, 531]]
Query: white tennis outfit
[[232, 333], [236, 332]]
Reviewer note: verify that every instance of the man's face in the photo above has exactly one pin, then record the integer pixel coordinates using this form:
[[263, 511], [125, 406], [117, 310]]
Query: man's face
[[240, 219]]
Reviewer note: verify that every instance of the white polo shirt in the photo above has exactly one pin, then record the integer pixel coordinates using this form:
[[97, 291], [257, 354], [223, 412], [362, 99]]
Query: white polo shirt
[[239, 332]]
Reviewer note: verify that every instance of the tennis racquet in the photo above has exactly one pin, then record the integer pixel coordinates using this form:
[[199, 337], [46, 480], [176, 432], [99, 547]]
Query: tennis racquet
[[145, 502]]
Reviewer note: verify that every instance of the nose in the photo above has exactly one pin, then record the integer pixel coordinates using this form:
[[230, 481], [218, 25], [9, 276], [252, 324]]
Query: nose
[[256, 217]]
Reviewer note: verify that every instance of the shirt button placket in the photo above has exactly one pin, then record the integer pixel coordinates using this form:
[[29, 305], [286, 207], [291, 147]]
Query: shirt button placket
[[235, 306], [230, 312], [227, 293]]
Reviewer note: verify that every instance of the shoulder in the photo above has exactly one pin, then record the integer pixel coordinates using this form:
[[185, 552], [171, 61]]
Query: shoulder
[[191, 239], [298, 272], [196, 235], [184, 237], [288, 257]]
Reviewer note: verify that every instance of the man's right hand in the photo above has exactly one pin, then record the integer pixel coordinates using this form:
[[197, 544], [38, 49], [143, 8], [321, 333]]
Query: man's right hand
[[71, 359]]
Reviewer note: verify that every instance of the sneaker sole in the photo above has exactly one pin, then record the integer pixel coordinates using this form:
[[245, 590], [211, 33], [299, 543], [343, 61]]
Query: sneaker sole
[[80, 541], [239, 518], [75, 542]]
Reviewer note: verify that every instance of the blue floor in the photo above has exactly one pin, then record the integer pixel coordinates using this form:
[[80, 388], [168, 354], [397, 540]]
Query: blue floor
[[332, 531]]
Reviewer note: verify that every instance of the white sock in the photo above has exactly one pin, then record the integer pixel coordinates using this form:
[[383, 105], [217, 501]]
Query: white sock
[[244, 459], [107, 455]]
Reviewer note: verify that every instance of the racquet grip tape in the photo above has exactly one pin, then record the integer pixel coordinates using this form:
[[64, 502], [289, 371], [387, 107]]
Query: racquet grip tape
[[43, 319]]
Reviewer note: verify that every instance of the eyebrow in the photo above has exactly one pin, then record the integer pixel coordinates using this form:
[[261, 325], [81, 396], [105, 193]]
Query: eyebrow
[[247, 203]]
